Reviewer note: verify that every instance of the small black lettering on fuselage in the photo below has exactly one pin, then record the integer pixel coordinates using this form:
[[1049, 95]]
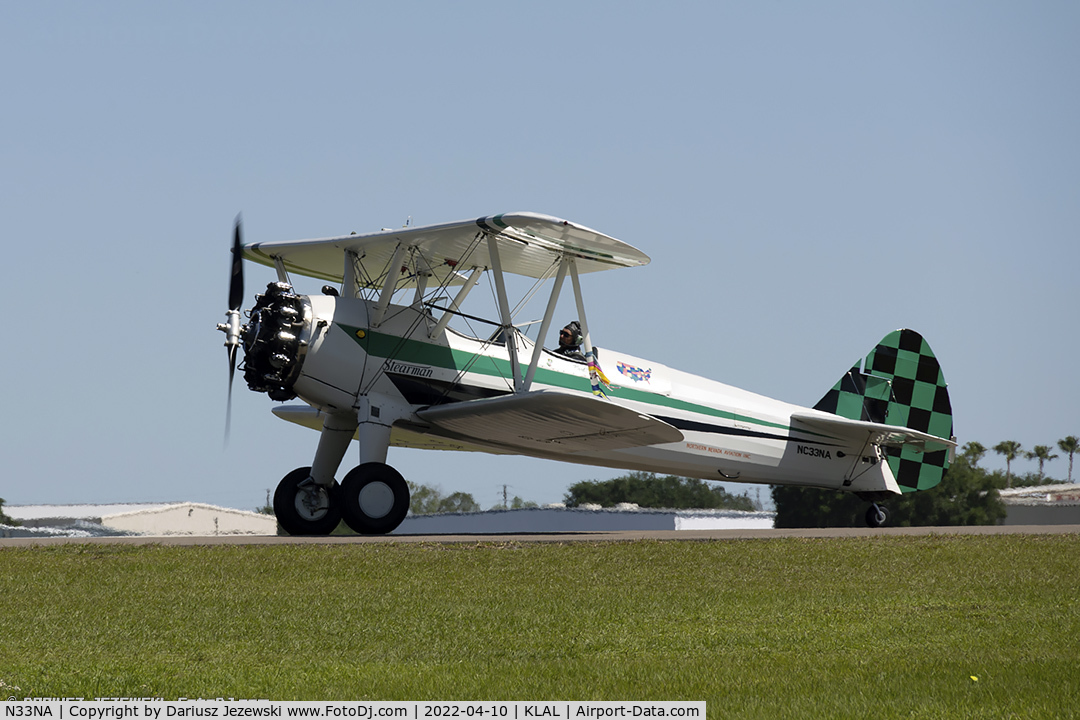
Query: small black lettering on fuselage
[[814, 452], [393, 366]]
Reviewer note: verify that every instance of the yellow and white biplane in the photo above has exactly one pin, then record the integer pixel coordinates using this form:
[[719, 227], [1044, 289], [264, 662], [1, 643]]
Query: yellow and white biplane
[[378, 358]]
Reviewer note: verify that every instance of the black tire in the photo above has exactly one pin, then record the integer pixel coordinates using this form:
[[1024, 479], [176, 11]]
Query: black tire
[[294, 510], [877, 516], [374, 498]]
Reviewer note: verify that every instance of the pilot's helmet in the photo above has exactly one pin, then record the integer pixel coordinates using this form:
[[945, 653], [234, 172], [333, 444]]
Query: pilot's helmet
[[574, 328]]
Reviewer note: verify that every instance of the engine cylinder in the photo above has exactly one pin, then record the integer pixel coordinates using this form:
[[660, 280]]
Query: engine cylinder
[[275, 341]]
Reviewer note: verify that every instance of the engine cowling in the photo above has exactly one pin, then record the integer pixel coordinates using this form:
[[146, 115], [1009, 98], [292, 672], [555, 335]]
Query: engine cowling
[[276, 340]]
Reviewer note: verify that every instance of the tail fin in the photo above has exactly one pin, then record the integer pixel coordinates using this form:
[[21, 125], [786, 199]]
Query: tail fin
[[901, 384]]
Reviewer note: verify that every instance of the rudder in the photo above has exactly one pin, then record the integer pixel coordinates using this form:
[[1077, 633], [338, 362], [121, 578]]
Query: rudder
[[900, 384]]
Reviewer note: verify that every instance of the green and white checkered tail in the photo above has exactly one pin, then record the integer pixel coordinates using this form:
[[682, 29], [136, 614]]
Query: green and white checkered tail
[[900, 384]]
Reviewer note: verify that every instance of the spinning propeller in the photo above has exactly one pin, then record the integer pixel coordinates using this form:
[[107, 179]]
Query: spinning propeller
[[231, 327]]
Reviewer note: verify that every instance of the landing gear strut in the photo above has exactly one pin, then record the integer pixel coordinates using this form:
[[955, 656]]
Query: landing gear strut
[[304, 508], [877, 516]]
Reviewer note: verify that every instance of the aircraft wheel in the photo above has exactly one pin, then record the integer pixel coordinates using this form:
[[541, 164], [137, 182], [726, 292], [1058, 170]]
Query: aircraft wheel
[[304, 508], [374, 498], [877, 516]]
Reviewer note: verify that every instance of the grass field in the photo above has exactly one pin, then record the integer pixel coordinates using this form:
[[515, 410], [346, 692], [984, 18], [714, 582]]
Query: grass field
[[884, 627]]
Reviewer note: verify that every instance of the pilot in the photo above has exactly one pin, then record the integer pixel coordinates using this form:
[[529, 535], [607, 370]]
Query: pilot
[[570, 340]]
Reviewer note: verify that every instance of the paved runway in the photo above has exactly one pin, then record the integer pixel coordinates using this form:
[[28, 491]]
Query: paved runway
[[563, 537]]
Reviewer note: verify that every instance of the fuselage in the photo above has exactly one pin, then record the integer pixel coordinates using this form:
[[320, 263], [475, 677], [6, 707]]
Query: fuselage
[[728, 433]]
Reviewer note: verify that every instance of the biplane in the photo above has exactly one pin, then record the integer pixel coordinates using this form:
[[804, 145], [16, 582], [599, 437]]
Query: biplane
[[381, 357]]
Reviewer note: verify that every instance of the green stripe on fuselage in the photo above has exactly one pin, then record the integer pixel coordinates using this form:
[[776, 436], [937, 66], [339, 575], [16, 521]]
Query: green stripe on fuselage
[[382, 345]]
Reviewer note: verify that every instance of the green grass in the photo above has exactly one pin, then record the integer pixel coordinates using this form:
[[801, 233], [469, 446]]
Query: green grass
[[884, 627]]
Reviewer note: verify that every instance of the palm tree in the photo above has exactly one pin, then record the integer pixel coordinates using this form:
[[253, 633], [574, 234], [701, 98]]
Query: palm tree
[[973, 452], [1042, 454], [1011, 450], [1070, 444]]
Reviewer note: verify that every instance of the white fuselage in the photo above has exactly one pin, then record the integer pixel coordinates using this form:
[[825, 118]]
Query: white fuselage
[[397, 368]]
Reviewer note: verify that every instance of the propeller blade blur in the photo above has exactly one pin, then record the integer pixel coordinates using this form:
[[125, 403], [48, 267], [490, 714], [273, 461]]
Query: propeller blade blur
[[236, 278], [232, 327]]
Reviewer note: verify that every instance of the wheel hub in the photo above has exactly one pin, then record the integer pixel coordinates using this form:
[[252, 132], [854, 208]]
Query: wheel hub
[[376, 499], [312, 502]]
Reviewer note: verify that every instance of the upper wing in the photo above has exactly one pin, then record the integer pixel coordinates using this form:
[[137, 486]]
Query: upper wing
[[858, 431], [549, 421], [529, 244]]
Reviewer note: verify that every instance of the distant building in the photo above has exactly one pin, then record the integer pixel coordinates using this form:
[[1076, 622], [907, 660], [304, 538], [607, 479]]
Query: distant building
[[199, 519], [192, 519], [181, 518], [563, 519], [1057, 504]]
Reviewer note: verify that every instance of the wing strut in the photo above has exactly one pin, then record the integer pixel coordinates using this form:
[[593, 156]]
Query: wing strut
[[509, 332], [350, 283], [392, 272], [538, 349], [586, 339], [456, 302], [590, 353], [282, 273]]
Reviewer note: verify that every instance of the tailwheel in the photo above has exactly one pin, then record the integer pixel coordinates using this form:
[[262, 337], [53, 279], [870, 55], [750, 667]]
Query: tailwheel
[[305, 508], [877, 516], [374, 498]]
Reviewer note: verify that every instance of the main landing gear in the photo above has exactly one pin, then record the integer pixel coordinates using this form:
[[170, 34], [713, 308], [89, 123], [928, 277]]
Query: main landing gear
[[373, 499]]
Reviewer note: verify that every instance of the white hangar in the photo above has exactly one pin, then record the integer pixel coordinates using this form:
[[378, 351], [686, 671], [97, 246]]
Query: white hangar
[[179, 518]]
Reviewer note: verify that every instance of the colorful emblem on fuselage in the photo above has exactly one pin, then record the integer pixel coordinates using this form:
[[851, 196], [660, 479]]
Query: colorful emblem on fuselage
[[634, 373]]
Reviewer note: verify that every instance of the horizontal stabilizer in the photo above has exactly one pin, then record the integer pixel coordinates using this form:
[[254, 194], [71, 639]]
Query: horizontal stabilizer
[[857, 431], [550, 421]]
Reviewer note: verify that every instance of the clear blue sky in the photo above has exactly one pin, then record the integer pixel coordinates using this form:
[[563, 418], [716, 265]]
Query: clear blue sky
[[805, 176]]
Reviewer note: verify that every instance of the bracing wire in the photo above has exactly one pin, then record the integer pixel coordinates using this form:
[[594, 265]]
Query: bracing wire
[[421, 316]]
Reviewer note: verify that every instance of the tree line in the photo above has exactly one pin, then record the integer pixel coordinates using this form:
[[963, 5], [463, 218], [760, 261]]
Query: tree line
[[429, 500], [644, 489], [653, 491], [4, 519]]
